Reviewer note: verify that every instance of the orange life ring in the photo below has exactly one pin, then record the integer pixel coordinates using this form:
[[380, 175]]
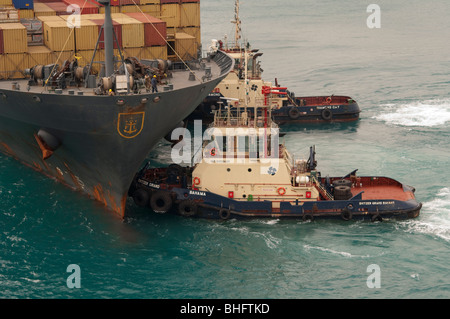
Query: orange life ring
[[281, 191], [213, 151], [329, 99], [196, 181]]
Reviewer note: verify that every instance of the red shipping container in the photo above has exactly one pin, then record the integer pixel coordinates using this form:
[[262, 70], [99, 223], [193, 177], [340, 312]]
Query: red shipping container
[[85, 6], [59, 7], [117, 30], [155, 30]]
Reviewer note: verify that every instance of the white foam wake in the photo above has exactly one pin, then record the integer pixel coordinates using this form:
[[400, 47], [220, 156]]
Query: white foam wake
[[424, 113], [434, 217]]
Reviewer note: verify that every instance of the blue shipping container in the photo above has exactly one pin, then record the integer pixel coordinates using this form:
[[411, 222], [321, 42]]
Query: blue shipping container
[[23, 4]]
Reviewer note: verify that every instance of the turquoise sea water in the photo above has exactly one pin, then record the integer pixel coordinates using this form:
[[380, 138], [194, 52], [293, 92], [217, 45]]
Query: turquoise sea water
[[400, 76]]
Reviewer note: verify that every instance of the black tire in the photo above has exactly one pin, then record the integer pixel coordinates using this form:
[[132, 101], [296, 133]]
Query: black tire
[[141, 197], [187, 208], [294, 113], [307, 216], [346, 214], [161, 202], [224, 213], [342, 193], [342, 182], [376, 218], [327, 114]]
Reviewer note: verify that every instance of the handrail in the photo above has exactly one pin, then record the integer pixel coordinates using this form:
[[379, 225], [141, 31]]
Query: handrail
[[321, 188]]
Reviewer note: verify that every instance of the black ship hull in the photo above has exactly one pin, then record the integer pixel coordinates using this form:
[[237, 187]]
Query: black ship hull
[[103, 139]]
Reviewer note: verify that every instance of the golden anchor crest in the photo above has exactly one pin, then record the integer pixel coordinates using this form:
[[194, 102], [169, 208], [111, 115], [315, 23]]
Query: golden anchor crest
[[130, 125]]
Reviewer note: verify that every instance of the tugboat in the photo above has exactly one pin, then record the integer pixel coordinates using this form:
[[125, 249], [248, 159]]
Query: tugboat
[[247, 87], [93, 133], [245, 172]]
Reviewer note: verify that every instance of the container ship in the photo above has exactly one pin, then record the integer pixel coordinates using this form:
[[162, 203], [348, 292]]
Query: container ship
[[89, 115]]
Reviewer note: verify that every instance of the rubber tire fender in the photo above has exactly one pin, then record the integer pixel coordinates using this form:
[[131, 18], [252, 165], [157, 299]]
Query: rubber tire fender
[[187, 208], [224, 213], [293, 113], [346, 214], [141, 197], [327, 114], [161, 202]]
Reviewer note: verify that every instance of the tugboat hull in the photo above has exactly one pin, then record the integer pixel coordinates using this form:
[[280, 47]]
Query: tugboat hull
[[374, 198]]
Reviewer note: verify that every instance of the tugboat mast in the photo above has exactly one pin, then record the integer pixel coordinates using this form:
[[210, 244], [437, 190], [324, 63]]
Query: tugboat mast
[[237, 22]]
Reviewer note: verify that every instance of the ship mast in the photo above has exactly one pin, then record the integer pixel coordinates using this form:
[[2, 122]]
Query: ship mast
[[237, 22], [108, 39]]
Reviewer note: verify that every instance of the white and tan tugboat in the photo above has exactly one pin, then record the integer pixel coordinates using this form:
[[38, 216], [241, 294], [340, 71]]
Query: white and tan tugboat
[[245, 172]]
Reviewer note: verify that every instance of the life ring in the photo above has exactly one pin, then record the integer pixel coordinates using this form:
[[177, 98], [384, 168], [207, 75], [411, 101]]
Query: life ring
[[327, 114], [187, 208], [346, 214], [281, 191], [196, 181], [329, 99], [141, 197], [213, 151], [294, 113], [224, 213], [161, 202]]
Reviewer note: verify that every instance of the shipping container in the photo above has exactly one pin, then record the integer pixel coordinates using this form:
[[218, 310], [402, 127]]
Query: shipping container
[[170, 1], [154, 52], [13, 65], [41, 9], [58, 36], [14, 38], [50, 18], [39, 55], [1, 42], [127, 9], [86, 7], [189, 1], [23, 4], [170, 13], [26, 13], [115, 9], [129, 2], [86, 35], [59, 7], [6, 3], [152, 9], [132, 31], [150, 2], [154, 29], [117, 30], [185, 46], [190, 14], [194, 31]]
